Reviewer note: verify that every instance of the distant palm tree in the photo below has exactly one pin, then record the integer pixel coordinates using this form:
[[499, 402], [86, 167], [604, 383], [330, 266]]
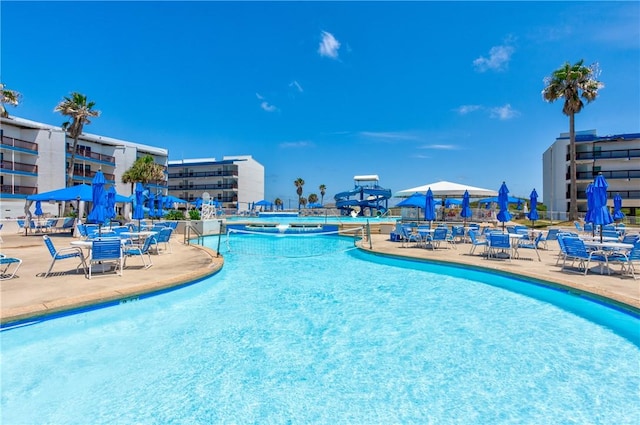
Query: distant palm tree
[[323, 190], [299, 183], [80, 110], [313, 198], [303, 201], [143, 170], [278, 203], [10, 97], [572, 82]]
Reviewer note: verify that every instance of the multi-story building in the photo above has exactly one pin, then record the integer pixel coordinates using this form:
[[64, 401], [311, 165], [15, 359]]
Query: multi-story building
[[617, 157], [35, 159], [235, 181]]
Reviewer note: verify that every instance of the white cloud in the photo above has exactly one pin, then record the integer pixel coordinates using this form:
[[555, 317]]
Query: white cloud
[[296, 85], [504, 112], [259, 96], [498, 60], [389, 136], [328, 45], [268, 107], [440, 147], [420, 156], [296, 145], [467, 109]]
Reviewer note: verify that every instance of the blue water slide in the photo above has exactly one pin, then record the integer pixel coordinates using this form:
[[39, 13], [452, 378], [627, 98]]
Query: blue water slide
[[372, 198]]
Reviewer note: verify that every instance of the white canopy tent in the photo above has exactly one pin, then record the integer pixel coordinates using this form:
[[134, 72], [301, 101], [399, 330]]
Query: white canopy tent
[[447, 189]]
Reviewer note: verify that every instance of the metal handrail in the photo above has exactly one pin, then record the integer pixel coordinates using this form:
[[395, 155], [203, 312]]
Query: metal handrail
[[187, 235]]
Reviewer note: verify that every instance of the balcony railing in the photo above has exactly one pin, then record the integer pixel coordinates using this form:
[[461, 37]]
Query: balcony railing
[[91, 174], [19, 190], [19, 166], [221, 173], [614, 154], [615, 174], [625, 194], [17, 143], [230, 186], [82, 153]]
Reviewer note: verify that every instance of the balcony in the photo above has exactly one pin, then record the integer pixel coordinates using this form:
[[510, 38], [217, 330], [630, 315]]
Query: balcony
[[90, 174], [220, 173], [83, 153], [213, 186], [21, 144], [19, 166], [609, 175], [625, 194], [19, 190], [614, 154]]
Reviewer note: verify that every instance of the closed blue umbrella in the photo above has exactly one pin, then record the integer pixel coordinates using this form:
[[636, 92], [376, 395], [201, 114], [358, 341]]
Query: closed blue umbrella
[[111, 204], [466, 208], [151, 203], [601, 215], [503, 204], [138, 208], [533, 200], [160, 202], [617, 207], [38, 210], [429, 207], [98, 213]]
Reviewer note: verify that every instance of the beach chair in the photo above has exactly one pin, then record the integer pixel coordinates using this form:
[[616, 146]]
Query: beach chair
[[457, 233], [499, 242], [408, 236], [475, 242], [164, 236], [6, 263], [630, 238], [439, 235], [104, 251], [527, 243], [64, 254], [67, 225], [551, 235], [141, 250], [576, 251], [627, 259]]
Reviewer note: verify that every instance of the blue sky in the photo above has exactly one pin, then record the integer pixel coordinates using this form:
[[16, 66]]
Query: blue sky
[[415, 92]]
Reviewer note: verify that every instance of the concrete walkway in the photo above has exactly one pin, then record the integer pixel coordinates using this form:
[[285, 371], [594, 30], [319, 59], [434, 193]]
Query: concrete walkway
[[29, 295]]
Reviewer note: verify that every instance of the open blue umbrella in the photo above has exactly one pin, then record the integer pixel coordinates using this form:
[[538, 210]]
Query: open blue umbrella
[[465, 211], [429, 207], [533, 214], [416, 200], [138, 208], [111, 204], [601, 215], [503, 204], [98, 213], [617, 207], [38, 210]]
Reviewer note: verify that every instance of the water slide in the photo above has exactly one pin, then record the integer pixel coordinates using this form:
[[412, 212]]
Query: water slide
[[366, 198]]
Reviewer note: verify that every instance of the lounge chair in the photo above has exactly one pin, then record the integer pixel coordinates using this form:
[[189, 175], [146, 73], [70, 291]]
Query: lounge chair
[[141, 250], [627, 259], [164, 236], [551, 235], [5, 265], [408, 236], [439, 235], [576, 251], [499, 242], [64, 254], [475, 242], [67, 225], [104, 251], [527, 243]]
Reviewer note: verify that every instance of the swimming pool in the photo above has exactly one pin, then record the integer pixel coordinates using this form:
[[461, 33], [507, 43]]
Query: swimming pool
[[342, 337], [312, 219]]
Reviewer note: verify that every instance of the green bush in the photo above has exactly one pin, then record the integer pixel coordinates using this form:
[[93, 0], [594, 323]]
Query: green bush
[[194, 214], [174, 215]]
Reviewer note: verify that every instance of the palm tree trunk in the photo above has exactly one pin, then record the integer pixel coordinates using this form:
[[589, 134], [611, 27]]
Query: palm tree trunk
[[573, 201], [72, 163]]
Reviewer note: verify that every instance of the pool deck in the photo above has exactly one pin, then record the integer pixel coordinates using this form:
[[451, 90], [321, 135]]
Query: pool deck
[[30, 296]]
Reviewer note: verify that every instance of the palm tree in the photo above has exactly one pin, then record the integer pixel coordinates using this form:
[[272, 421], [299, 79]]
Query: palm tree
[[572, 82], [313, 198], [10, 97], [323, 190], [143, 170], [278, 203], [303, 201], [299, 183], [80, 110]]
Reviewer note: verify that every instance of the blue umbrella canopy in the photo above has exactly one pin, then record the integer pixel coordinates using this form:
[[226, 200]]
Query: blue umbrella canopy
[[160, 202], [601, 215], [429, 207], [38, 210], [151, 203], [417, 200], [466, 208], [589, 192], [98, 211], [617, 207], [138, 208], [533, 200], [111, 203], [503, 204]]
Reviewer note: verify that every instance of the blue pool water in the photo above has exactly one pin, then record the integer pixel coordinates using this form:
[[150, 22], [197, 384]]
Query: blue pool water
[[343, 337], [312, 219]]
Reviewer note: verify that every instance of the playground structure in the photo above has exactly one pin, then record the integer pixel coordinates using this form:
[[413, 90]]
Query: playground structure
[[367, 198]]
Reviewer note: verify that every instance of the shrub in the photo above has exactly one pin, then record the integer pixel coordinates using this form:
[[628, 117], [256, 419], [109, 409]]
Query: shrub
[[174, 215], [194, 214]]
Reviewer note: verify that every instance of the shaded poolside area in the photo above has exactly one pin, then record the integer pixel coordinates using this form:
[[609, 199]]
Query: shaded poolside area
[[29, 295]]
